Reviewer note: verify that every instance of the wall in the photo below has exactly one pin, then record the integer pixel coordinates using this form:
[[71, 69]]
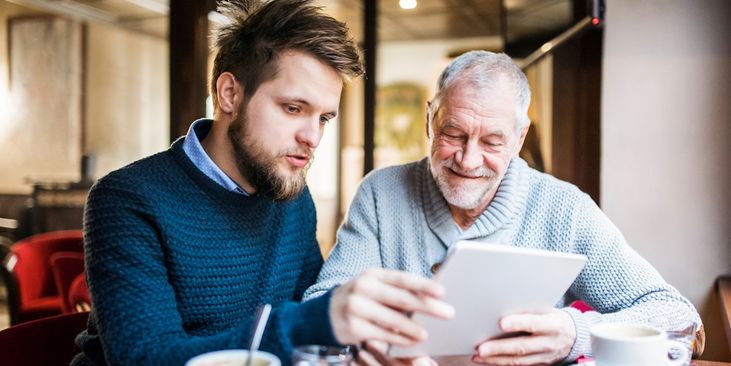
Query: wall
[[666, 157], [125, 115], [421, 62], [54, 124], [127, 104], [6, 11]]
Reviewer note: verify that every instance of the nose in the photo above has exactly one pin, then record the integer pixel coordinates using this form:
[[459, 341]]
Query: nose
[[470, 157], [310, 133]]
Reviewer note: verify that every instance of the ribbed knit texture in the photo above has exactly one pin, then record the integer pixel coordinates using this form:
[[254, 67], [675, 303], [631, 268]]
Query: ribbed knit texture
[[400, 220], [176, 266]]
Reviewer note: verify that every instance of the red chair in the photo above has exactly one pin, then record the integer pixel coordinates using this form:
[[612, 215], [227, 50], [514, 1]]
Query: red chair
[[32, 292], [581, 306], [47, 342], [79, 296], [66, 266]]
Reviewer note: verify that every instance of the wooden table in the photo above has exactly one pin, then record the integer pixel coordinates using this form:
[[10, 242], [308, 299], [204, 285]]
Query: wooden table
[[465, 361]]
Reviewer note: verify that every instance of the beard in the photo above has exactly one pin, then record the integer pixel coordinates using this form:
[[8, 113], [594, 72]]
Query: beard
[[468, 194], [259, 167]]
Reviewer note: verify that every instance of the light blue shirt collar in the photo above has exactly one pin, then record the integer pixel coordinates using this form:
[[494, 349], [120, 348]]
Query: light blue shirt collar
[[192, 146]]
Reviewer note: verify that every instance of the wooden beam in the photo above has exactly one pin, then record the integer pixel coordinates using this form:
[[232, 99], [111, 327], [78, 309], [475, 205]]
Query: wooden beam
[[577, 73], [188, 63], [369, 49], [724, 298]]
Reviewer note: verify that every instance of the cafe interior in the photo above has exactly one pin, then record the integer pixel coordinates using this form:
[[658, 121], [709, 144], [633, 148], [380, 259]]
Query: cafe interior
[[629, 104]]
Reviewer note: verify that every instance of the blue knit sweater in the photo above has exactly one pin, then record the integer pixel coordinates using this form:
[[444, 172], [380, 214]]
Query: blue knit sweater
[[176, 266]]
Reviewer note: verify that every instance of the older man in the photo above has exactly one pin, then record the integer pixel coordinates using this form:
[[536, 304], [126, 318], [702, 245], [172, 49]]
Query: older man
[[474, 186]]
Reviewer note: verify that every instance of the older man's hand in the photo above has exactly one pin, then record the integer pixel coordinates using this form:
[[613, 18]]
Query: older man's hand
[[372, 306], [548, 340]]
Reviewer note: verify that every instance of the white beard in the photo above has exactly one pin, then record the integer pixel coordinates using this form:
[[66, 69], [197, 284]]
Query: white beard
[[469, 194]]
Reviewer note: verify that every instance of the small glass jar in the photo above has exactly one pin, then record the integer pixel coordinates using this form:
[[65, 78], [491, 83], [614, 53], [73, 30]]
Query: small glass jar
[[314, 355]]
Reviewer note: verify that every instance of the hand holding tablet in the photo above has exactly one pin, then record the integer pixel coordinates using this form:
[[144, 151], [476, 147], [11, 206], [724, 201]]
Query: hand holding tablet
[[485, 282]]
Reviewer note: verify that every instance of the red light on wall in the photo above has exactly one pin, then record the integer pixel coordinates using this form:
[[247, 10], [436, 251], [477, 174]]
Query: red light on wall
[[595, 21]]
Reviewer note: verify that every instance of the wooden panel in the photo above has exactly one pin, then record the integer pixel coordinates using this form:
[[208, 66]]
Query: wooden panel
[[370, 16], [127, 106], [724, 296], [577, 68], [188, 63]]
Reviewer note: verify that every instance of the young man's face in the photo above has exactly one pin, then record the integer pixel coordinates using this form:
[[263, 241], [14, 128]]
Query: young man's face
[[473, 140], [275, 134]]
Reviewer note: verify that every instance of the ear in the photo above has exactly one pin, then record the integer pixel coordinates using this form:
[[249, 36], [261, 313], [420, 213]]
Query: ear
[[229, 92], [521, 140]]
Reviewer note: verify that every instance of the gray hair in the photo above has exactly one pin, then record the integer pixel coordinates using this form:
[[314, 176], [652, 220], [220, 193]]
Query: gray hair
[[482, 70]]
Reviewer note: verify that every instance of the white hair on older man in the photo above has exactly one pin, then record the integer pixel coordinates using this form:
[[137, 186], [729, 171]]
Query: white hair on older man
[[483, 70]]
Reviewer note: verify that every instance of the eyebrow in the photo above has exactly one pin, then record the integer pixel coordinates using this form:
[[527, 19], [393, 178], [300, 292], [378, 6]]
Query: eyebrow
[[332, 114], [452, 124], [498, 134]]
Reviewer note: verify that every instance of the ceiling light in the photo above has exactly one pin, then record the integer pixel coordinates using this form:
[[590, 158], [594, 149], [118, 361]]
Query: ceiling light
[[407, 4]]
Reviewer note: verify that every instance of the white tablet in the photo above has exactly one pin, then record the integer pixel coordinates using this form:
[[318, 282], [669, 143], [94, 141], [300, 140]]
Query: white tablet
[[484, 282]]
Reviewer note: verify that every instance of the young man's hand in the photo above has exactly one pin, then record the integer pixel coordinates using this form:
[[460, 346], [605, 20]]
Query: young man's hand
[[373, 306], [374, 353]]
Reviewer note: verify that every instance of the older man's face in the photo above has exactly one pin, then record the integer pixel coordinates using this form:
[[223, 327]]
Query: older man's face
[[473, 138]]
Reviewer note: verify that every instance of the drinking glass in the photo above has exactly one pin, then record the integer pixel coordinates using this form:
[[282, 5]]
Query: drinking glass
[[685, 334], [315, 355]]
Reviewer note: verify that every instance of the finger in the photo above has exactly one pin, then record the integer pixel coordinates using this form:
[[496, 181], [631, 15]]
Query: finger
[[527, 360], [374, 349], [423, 361], [376, 346], [389, 320], [531, 323], [400, 298], [367, 330], [408, 301], [365, 358], [379, 350], [517, 346], [410, 282]]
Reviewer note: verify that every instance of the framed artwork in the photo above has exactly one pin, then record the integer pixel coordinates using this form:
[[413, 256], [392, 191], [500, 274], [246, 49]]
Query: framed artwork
[[400, 133]]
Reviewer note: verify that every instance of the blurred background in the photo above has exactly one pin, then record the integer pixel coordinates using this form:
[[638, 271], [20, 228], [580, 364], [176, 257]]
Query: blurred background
[[634, 110]]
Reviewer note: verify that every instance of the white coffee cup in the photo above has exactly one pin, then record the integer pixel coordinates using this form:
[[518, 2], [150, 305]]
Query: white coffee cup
[[233, 357], [615, 344]]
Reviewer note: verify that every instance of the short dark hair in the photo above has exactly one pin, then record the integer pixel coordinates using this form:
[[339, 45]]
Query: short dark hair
[[255, 34]]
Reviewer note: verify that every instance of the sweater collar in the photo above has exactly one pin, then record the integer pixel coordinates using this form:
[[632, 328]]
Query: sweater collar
[[209, 186], [508, 201]]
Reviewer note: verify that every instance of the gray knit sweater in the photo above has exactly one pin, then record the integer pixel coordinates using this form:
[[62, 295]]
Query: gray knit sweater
[[399, 220]]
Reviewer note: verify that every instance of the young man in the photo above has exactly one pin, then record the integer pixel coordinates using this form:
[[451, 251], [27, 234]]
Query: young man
[[182, 246], [474, 186]]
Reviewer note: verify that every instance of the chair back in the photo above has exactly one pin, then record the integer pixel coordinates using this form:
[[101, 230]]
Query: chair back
[[581, 306], [32, 292], [66, 266], [47, 341], [79, 297]]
